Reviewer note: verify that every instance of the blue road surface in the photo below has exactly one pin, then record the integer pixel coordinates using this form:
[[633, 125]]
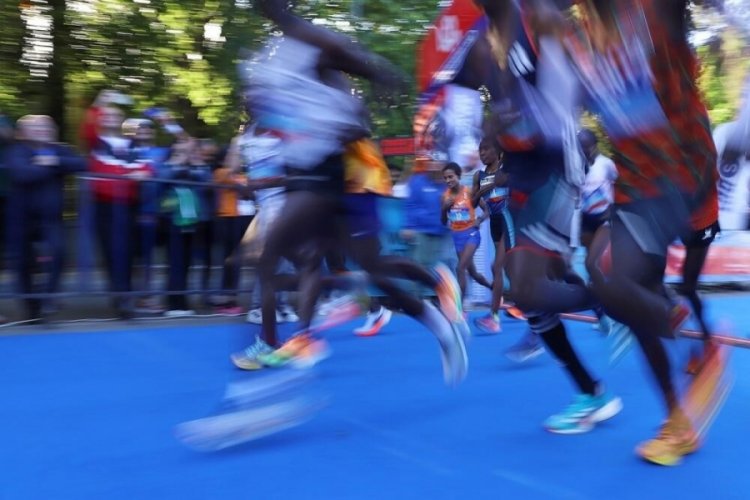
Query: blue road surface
[[92, 416]]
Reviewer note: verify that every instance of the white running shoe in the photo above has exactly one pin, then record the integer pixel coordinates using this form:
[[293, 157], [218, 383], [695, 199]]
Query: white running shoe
[[374, 323], [254, 316]]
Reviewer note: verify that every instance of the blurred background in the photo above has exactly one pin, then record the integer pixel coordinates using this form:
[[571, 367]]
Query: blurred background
[[174, 62], [57, 55]]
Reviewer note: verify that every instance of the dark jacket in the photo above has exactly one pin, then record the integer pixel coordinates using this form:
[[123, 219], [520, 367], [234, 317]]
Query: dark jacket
[[36, 190]]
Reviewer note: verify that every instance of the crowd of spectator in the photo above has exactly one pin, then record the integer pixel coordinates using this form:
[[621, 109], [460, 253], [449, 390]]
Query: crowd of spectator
[[139, 202]]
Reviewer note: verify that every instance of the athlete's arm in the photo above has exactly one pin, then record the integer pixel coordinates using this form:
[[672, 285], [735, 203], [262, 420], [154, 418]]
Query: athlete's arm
[[338, 52], [447, 204], [485, 213], [476, 191]]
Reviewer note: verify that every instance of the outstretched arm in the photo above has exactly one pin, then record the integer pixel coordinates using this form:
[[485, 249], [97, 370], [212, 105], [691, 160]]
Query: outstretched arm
[[340, 52]]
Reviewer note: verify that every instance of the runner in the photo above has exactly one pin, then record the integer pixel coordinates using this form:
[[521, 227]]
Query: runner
[[300, 79], [491, 185], [458, 214], [666, 161], [597, 196], [532, 109]]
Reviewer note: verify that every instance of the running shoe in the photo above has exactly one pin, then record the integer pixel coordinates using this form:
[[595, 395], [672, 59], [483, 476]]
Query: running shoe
[[148, 305], [676, 439], [341, 310], [585, 411], [229, 310], [179, 313], [247, 359], [374, 323], [489, 324], [254, 316], [708, 390], [312, 353], [451, 341], [527, 349], [288, 314], [449, 296], [301, 351], [621, 340], [698, 359], [514, 313], [284, 354]]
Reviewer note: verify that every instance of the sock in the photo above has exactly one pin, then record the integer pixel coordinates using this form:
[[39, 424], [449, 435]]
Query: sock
[[557, 342]]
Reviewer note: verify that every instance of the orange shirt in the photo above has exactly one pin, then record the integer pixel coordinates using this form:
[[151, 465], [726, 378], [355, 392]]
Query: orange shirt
[[365, 170], [227, 198], [461, 215]]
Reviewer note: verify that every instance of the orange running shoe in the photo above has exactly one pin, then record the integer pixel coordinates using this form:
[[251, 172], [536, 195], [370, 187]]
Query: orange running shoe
[[698, 360], [374, 323], [449, 295], [286, 352], [515, 313], [676, 439], [708, 390], [315, 351]]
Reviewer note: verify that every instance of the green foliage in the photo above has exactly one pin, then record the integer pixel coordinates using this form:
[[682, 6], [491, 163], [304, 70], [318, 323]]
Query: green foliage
[[182, 54], [724, 67]]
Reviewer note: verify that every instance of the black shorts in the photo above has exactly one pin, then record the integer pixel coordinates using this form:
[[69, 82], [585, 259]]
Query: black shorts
[[361, 214], [590, 223], [326, 178], [701, 238], [501, 227], [652, 223]]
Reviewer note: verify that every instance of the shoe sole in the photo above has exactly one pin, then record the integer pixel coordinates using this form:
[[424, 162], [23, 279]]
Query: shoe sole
[[609, 410], [455, 365], [669, 460], [528, 357], [234, 428], [247, 365], [384, 320], [310, 361], [484, 330]]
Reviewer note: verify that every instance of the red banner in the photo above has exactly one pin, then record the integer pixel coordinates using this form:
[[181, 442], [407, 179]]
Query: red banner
[[443, 37], [728, 259], [397, 146]]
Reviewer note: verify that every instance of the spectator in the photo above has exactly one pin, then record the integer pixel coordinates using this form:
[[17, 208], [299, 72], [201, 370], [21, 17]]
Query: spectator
[[235, 212], [116, 203], [181, 204], [202, 164], [143, 149], [422, 227], [36, 168], [89, 131], [6, 138]]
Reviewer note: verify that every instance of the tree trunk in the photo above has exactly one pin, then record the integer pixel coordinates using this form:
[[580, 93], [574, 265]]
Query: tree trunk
[[56, 79]]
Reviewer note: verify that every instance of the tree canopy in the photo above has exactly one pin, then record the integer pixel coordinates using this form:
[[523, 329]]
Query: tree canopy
[[56, 55]]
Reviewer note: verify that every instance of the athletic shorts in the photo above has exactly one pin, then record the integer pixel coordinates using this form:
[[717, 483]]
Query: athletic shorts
[[326, 178], [590, 223], [469, 236], [652, 223], [501, 225], [361, 215], [544, 214], [701, 238]]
